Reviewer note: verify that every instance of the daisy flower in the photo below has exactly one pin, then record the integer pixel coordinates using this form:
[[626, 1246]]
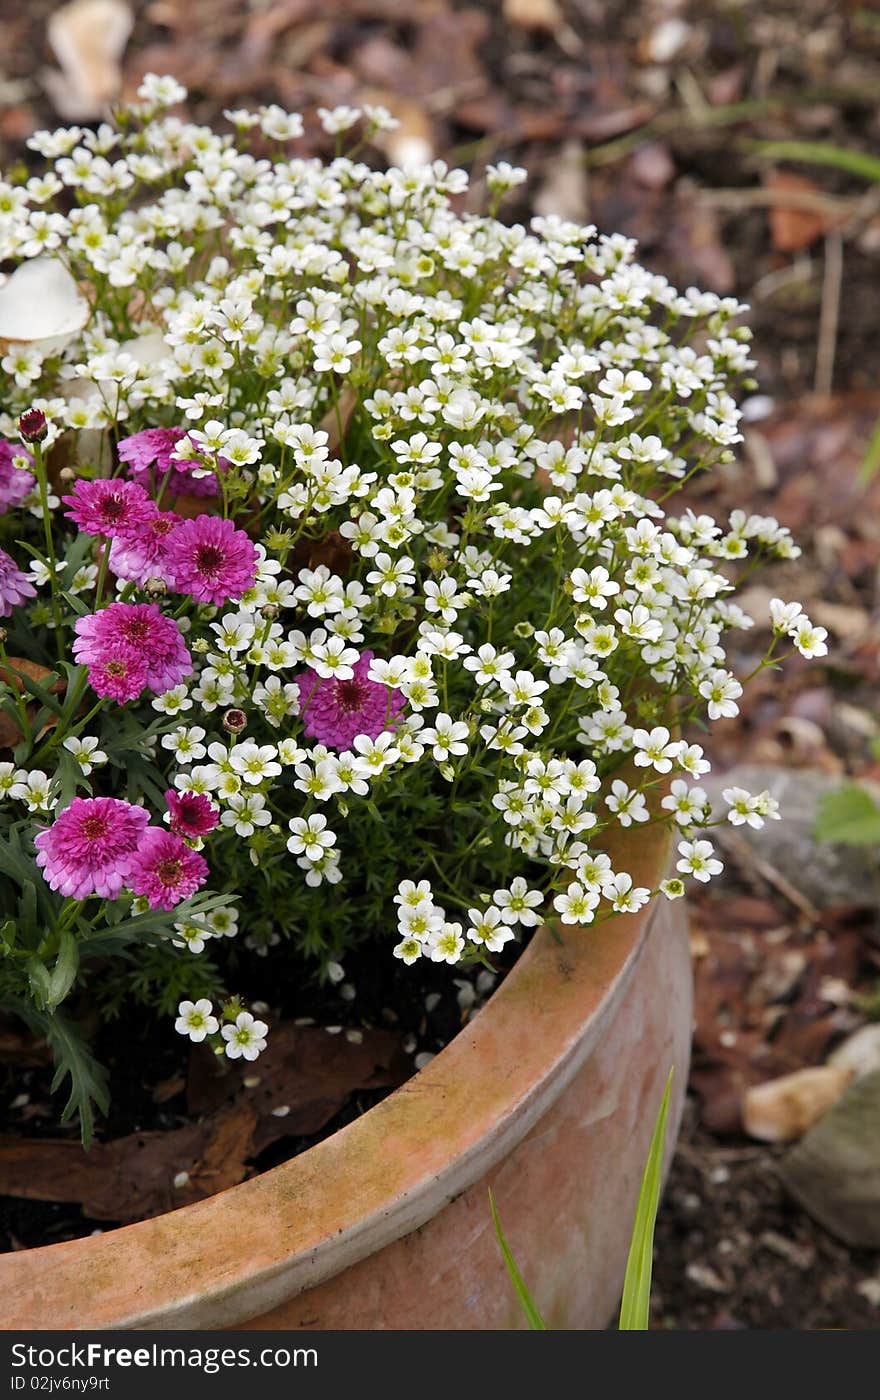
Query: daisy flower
[[15, 586], [112, 508], [165, 869], [211, 560], [336, 711], [90, 846]]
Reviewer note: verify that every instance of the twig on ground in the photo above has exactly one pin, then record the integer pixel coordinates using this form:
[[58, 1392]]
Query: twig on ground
[[750, 860], [829, 316]]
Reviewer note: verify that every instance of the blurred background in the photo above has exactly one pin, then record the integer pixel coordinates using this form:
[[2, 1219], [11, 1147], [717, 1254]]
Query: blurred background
[[739, 142]]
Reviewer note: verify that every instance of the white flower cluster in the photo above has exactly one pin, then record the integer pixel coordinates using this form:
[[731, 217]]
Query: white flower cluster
[[454, 440]]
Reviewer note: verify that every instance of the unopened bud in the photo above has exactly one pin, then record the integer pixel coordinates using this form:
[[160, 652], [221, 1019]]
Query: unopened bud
[[234, 721], [67, 474], [155, 588], [33, 425], [270, 611]]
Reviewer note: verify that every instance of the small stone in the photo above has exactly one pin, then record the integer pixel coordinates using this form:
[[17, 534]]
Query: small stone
[[431, 1000], [423, 1059], [333, 1030], [834, 1172], [705, 1277], [347, 991], [860, 1053], [409, 1044], [783, 1109], [719, 1175], [335, 971], [803, 1256], [466, 994], [181, 1180], [20, 1101], [304, 1021], [485, 982], [251, 1081], [354, 1037], [281, 1111], [260, 1008], [870, 1289], [825, 874]]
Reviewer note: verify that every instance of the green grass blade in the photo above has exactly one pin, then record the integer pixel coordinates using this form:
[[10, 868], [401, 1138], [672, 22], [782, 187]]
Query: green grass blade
[[871, 461], [860, 163], [637, 1284], [526, 1302]]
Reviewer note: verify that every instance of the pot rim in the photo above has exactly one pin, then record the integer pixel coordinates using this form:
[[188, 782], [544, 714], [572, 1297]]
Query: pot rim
[[231, 1257]]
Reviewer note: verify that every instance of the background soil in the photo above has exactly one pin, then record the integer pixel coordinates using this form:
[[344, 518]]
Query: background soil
[[646, 116]]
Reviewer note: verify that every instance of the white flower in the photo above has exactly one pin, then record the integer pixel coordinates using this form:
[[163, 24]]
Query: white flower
[[656, 749], [722, 690], [447, 945], [743, 808], [625, 898], [809, 640], [310, 836], [687, 805], [576, 905], [627, 804], [517, 903], [185, 743], [196, 1019], [246, 1038], [447, 738], [86, 752], [487, 929], [254, 763], [697, 859], [245, 811]]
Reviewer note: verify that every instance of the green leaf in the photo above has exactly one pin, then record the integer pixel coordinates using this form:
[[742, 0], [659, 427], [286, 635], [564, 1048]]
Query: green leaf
[[867, 167], [637, 1283], [526, 1302], [849, 816], [870, 463], [63, 974], [73, 1060]]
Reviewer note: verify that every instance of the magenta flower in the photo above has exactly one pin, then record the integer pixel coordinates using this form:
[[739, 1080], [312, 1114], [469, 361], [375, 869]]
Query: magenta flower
[[190, 814], [144, 555], [15, 482], [111, 508], [89, 847], [149, 456], [15, 586], [335, 711], [120, 673], [211, 560], [142, 626], [165, 869]]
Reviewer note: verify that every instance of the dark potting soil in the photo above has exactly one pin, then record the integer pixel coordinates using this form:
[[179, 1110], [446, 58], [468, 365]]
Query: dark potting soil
[[422, 1007]]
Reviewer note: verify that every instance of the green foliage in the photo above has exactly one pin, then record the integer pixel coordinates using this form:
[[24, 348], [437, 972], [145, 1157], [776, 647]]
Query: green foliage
[[635, 1307], [867, 167], [526, 1302], [849, 816]]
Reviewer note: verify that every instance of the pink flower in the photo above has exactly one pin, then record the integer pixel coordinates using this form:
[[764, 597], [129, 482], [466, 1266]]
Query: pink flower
[[89, 847], [141, 625], [149, 456], [15, 482], [120, 673], [334, 711], [145, 554], [112, 508], [190, 813], [211, 560], [15, 586], [166, 869]]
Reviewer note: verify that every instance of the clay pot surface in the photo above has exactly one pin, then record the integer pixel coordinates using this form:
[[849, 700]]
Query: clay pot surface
[[548, 1096]]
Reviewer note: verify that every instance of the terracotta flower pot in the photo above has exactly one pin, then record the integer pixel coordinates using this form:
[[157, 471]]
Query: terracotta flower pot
[[548, 1096]]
